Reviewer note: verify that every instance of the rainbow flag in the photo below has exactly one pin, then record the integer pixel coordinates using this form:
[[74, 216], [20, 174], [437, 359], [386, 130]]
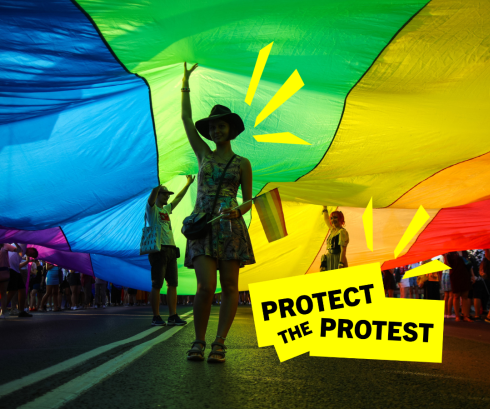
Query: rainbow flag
[[269, 208]]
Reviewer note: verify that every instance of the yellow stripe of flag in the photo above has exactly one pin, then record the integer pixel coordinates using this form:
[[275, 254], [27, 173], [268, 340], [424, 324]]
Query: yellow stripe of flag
[[270, 212]]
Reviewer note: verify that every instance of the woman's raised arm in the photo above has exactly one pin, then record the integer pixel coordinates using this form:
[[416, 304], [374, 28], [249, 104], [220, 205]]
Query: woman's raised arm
[[326, 217], [200, 148]]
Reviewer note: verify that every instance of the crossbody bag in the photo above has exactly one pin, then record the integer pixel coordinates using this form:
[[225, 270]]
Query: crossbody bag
[[196, 225]]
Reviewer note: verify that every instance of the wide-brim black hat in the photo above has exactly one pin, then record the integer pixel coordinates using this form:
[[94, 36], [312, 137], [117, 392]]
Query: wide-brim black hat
[[224, 113]]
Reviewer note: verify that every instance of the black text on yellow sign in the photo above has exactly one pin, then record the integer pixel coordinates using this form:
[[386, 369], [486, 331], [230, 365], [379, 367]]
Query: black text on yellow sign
[[344, 313]]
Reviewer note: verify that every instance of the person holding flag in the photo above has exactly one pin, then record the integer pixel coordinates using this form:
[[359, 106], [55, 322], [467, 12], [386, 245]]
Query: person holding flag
[[226, 246]]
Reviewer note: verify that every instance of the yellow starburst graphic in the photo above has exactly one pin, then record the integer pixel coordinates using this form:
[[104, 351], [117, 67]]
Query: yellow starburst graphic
[[292, 85]]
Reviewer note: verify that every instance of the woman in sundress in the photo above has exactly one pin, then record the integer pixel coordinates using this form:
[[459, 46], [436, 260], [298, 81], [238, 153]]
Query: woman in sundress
[[337, 241], [222, 251]]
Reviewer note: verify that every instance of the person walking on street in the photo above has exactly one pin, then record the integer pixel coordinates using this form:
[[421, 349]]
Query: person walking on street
[[75, 287], [100, 293], [16, 284], [52, 287], [460, 278], [87, 280], [5, 248], [35, 284]]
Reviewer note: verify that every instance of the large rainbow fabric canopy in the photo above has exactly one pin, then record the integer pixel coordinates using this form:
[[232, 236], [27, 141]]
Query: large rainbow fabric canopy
[[394, 106]]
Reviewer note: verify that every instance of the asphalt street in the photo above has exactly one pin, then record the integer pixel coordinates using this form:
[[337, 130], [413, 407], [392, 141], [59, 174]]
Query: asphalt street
[[113, 358]]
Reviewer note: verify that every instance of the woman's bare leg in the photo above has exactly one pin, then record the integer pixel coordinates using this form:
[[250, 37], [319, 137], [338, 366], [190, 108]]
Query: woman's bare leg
[[206, 286], [456, 305], [56, 298], [75, 292], [67, 298], [229, 295], [39, 298], [229, 299], [32, 303], [477, 304], [3, 292], [13, 296], [49, 291], [447, 302], [466, 303]]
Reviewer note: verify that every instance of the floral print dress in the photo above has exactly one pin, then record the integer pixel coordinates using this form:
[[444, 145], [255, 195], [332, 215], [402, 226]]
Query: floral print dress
[[236, 246]]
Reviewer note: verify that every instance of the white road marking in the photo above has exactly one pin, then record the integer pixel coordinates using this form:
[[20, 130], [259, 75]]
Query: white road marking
[[71, 390], [13, 386], [105, 315], [428, 374]]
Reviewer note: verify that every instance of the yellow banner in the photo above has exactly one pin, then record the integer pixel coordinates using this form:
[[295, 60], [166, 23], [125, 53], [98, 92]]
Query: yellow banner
[[344, 313]]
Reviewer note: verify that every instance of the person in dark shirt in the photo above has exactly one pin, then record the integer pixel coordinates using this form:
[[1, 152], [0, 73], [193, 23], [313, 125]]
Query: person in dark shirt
[[484, 272], [389, 283], [460, 278], [35, 284]]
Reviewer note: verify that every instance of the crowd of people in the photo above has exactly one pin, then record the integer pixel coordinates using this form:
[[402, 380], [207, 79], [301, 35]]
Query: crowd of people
[[465, 288], [34, 285], [28, 284]]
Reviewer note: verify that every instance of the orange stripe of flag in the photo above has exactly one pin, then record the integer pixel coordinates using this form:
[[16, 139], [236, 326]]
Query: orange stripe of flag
[[267, 219]]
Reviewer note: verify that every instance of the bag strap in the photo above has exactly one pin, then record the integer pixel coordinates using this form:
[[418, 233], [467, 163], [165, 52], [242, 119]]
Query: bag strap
[[216, 198], [221, 181]]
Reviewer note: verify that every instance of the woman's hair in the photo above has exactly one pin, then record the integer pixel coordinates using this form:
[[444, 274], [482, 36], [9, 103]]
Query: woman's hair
[[340, 216], [452, 258], [33, 252]]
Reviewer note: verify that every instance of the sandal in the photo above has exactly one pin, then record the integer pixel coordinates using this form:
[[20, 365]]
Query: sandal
[[198, 354], [217, 352]]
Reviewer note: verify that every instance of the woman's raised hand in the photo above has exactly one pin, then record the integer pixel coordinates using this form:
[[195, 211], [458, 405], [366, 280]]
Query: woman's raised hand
[[187, 73]]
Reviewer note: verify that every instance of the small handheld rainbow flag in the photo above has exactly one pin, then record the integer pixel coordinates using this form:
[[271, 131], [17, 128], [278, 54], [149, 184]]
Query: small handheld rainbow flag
[[269, 208]]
